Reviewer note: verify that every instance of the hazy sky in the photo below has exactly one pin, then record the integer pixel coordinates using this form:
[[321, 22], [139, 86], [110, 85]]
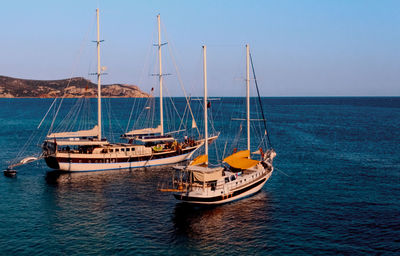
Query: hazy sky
[[300, 48]]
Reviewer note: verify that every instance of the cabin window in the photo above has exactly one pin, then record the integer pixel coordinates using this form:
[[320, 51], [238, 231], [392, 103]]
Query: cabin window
[[111, 150], [122, 149], [107, 160], [244, 179], [133, 149], [80, 161], [226, 180], [233, 177], [213, 185], [117, 150], [128, 149]]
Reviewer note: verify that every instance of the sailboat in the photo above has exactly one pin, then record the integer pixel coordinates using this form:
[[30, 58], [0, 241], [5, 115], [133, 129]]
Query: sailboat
[[238, 177], [87, 150]]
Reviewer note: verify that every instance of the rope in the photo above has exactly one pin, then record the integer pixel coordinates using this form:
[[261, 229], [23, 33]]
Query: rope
[[282, 172], [178, 74], [259, 99]]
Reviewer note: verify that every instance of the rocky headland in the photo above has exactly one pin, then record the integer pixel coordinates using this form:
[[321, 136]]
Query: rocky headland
[[69, 88]]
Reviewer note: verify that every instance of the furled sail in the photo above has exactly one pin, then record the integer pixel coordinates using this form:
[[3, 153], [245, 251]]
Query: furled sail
[[83, 133], [194, 125], [145, 131], [201, 159]]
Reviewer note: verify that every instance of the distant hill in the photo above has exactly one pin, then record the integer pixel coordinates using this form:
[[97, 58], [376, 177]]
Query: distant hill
[[70, 88]]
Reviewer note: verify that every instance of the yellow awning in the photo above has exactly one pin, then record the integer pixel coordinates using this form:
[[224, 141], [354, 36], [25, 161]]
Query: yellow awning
[[201, 159], [240, 160]]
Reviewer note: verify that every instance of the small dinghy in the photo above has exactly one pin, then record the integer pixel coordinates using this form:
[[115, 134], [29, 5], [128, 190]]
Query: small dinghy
[[10, 172]]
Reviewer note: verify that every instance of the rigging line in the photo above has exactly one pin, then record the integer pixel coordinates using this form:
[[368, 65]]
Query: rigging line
[[282, 172], [72, 72], [183, 118], [216, 151], [46, 113], [130, 115], [55, 116], [178, 73], [68, 119], [24, 147], [139, 116], [223, 154], [173, 104], [80, 123], [113, 116], [110, 116], [146, 64], [237, 138], [259, 99], [77, 113]]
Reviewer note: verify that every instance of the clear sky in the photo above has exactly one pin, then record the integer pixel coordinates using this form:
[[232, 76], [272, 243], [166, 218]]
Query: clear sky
[[299, 47]]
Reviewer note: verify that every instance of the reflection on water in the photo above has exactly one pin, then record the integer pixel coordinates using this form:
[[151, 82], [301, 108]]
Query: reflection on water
[[96, 206], [234, 223]]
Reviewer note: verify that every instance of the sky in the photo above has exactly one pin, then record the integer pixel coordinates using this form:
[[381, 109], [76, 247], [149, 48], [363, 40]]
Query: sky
[[299, 47]]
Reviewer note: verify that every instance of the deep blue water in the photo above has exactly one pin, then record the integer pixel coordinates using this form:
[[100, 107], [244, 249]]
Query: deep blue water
[[336, 189]]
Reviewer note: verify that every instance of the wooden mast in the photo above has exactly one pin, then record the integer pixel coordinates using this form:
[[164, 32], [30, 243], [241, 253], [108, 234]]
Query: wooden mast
[[205, 101], [248, 95], [160, 75], [98, 78]]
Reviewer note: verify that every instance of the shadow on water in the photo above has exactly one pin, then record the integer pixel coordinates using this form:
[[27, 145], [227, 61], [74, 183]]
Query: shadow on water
[[128, 203], [60, 177], [232, 223]]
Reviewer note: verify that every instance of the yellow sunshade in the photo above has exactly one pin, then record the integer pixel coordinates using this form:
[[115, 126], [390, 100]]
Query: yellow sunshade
[[201, 159], [240, 160]]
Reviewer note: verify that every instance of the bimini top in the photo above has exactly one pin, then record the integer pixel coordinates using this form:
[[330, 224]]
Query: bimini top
[[240, 160], [205, 174], [83, 133]]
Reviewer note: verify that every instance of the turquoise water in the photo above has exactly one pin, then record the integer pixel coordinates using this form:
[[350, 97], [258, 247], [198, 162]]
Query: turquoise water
[[336, 189]]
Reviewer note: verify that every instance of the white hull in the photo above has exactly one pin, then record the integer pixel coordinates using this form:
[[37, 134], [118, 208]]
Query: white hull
[[226, 198], [245, 194], [87, 167]]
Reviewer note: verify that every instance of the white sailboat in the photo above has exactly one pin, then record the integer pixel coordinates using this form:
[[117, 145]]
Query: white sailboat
[[240, 176], [87, 150]]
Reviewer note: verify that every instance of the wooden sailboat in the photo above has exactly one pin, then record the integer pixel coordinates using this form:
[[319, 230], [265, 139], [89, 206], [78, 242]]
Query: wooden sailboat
[[87, 150], [240, 176]]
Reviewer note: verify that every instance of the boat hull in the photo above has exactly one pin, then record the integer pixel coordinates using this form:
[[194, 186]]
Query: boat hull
[[67, 166], [232, 196]]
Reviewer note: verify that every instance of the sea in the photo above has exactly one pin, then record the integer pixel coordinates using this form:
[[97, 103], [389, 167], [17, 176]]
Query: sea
[[335, 189]]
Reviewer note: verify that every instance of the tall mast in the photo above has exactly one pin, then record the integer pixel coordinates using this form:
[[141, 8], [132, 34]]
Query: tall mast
[[98, 78], [248, 94], [160, 76], [205, 100]]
